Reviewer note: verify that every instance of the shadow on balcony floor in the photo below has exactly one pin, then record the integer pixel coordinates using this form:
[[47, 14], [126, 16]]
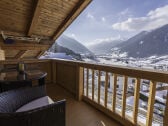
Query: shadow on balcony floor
[[79, 113]]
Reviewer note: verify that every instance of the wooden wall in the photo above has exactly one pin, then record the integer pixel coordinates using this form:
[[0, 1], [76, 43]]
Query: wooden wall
[[65, 74]]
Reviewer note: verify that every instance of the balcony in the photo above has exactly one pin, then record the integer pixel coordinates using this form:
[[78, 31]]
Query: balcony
[[79, 113], [105, 95]]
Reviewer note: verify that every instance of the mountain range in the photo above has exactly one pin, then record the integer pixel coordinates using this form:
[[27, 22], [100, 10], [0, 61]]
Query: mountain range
[[73, 45], [60, 49], [146, 44]]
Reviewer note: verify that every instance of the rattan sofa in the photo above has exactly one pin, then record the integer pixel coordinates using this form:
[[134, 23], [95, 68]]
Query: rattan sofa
[[18, 108]]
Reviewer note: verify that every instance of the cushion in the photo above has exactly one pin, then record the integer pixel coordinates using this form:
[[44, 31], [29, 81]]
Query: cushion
[[43, 101]]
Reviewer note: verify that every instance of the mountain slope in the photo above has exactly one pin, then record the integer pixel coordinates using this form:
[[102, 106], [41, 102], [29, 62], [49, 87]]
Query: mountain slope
[[73, 45], [146, 44], [104, 47], [59, 49]]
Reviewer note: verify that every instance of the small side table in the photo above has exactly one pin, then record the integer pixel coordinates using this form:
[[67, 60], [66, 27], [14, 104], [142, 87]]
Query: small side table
[[12, 79]]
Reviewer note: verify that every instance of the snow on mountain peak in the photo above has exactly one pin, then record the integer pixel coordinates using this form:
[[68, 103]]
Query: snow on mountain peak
[[141, 42]]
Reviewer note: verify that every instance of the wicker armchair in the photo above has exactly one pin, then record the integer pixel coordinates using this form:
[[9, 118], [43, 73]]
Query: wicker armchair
[[48, 115]]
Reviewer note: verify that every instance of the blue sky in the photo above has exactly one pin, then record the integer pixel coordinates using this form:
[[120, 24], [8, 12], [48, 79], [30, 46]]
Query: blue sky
[[107, 20]]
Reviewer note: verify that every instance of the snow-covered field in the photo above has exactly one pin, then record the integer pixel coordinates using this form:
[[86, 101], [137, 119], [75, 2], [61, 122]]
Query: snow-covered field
[[153, 62], [51, 55]]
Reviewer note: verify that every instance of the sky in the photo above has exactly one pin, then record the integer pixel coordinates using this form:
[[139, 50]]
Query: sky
[[107, 20]]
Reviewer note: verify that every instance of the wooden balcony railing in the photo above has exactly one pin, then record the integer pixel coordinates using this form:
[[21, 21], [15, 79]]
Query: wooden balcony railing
[[98, 85], [109, 87], [109, 101]]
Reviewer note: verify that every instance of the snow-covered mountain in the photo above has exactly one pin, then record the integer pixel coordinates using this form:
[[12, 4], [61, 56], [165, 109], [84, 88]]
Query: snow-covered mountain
[[73, 45], [146, 44], [59, 49], [104, 47], [70, 47]]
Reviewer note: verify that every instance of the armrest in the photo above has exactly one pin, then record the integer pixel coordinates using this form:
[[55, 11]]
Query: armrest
[[6, 86], [50, 115], [14, 99]]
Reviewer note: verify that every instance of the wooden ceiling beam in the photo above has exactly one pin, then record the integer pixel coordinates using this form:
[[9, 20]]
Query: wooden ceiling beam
[[35, 16], [27, 47], [71, 17], [23, 45], [18, 34], [12, 33], [20, 54]]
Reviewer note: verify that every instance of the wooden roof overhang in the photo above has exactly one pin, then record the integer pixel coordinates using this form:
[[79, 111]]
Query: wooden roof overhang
[[34, 25]]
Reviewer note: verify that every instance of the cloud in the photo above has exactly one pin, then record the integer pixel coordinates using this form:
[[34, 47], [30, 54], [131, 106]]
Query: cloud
[[103, 19], [154, 18], [124, 12], [97, 22], [90, 16]]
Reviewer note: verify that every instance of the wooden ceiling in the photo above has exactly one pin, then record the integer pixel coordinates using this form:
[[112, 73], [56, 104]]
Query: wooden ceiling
[[38, 19]]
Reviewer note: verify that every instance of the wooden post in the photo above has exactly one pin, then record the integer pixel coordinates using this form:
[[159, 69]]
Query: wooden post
[[99, 79], [114, 92], [80, 83], [54, 72], [136, 100], [151, 101], [124, 95], [106, 89], [92, 84], [165, 120]]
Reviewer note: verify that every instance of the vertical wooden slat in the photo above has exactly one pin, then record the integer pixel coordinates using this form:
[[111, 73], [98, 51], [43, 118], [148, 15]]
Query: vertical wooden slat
[[99, 79], [136, 100], [124, 95], [106, 89], [92, 84], [87, 83], [114, 93], [79, 82], [151, 101], [84, 81], [165, 120]]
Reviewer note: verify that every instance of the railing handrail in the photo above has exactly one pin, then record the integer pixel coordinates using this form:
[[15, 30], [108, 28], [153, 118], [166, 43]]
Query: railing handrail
[[149, 74], [25, 61]]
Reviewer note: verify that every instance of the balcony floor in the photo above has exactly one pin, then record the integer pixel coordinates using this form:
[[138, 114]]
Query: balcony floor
[[79, 113]]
